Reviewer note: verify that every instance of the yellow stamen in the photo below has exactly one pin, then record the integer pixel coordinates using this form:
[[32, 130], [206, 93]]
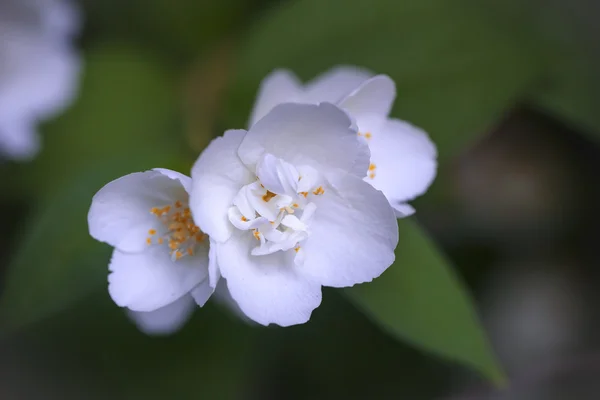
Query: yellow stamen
[[268, 196]]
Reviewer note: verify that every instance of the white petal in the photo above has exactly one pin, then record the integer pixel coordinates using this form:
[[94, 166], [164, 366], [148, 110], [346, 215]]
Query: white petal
[[277, 176], [280, 86], [202, 292], [403, 210], [353, 234], [61, 17], [405, 160], [120, 212], [374, 97], [213, 267], [18, 140], [335, 84], [185, 181], [217, 177], [39, 76], [223, 296], [150, 280], [166, 320], [235, 217], [320, 136], [268, 289]]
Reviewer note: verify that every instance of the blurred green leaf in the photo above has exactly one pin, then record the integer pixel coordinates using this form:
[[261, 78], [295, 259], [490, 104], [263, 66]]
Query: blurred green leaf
[[122, 123], [419, 299], [456, 74], [93, 351], [127, 106], [180, 31], [564, 35]]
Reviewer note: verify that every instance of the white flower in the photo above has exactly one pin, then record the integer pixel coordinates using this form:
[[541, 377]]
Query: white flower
[[403, 158], [38, 69], [288, 212], [160, 261]]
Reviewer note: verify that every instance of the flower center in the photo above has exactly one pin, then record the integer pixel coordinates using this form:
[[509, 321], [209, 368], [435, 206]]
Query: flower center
[[175, 230], [277, 209]]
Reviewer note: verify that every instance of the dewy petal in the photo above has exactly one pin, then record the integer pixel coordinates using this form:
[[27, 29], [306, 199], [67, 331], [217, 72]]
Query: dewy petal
[[166, 320], [217, 177], [405, 161], [374, 97], [150, 280], [320, 136], [120, 212], [353, 234], [268, 289], [334, 84], [281, 86]]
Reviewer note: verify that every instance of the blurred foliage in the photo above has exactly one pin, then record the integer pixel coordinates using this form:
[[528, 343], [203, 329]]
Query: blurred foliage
[[124, 121], [565, 35], [127, 108], [447, 61], [420, 300], [92, 352]]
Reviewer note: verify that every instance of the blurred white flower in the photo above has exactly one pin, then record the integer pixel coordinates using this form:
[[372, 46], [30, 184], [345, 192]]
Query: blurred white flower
[[39, 69], [403, 158], [287, 211], [160, 263]]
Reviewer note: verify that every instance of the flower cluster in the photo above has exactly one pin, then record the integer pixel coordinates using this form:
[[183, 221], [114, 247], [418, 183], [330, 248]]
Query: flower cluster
[[307, 197]]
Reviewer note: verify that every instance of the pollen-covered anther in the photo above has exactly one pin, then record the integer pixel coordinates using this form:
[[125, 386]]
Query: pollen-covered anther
[[244, 219], [256, 234], [318, 191], [289, 209], [303, 194], [180, 233], [297, 249], [268, 196], [372, 168]]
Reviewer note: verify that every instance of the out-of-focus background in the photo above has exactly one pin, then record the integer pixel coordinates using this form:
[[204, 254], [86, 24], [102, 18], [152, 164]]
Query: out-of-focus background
[[510, 93]]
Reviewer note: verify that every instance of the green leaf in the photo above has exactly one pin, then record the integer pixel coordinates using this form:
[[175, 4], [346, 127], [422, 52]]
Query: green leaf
[[127, 106], [122, 123], [455, 73], [419, 299], [563, 37]]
